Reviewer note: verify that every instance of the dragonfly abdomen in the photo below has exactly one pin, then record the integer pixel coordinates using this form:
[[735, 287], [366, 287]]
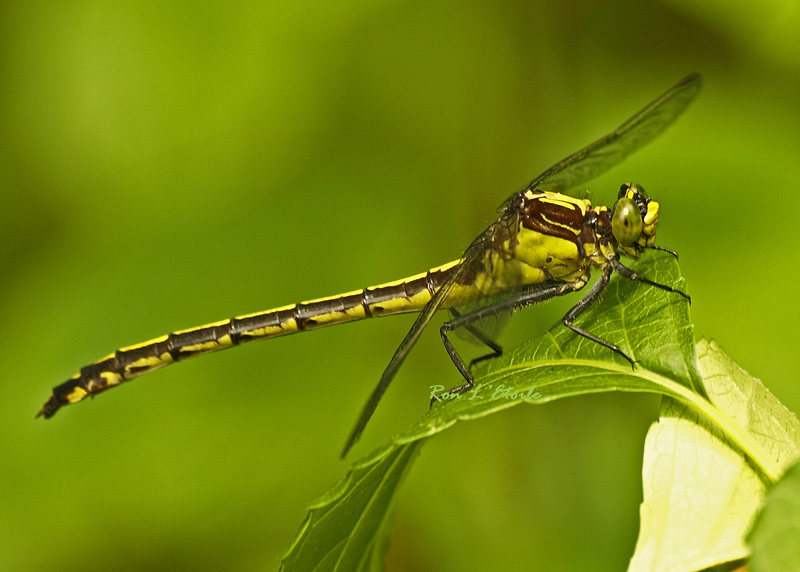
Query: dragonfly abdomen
[[406, 295]]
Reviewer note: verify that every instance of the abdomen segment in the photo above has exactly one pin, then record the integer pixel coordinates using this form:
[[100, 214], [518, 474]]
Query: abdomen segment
[[406, 295]]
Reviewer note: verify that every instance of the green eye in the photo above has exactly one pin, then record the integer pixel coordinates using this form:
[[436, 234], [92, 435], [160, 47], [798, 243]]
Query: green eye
[[639, 189], [626, 222]]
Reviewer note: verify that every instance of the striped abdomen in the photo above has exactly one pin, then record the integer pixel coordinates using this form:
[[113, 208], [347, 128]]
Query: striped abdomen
[[407, 295]]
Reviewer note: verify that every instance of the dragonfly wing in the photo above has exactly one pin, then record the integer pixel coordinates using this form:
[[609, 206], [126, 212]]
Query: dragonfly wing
[[635, 133], [576, 169], [473, 252], [489, 327]]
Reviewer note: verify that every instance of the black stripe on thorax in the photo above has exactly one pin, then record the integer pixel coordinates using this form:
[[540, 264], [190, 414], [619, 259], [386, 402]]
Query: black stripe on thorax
[[565, 221]]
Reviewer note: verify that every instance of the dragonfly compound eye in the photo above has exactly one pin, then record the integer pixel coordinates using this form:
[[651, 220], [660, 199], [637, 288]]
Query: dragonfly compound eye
[[632, 191], [626, 222], [638, 190]]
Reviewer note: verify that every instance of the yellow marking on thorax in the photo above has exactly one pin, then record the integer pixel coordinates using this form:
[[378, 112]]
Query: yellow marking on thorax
[[535, 258], [590, 249], [574, 231], [560, 200]]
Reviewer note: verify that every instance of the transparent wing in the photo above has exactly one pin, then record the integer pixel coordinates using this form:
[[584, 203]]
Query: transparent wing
[[488, 327], [635, 133], [472, 253], [576, 169]]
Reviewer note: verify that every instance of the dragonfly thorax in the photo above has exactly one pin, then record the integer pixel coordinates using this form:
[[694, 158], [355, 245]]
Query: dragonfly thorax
[[561, 237]]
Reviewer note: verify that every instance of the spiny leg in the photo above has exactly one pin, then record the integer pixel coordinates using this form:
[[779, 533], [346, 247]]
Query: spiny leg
[[497, 349], [531, 296], [516, 301], [630, 274], [672, 252], [587, 301], [597, 290]]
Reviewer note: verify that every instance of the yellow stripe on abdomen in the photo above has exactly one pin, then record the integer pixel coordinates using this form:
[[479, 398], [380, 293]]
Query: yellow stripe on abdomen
[[400, 296]]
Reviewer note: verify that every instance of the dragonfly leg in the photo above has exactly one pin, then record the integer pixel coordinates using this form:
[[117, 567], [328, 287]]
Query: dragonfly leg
[[459, 363], [517, 301], [672, 252], [497, 349], [630, 274], [587, 301]]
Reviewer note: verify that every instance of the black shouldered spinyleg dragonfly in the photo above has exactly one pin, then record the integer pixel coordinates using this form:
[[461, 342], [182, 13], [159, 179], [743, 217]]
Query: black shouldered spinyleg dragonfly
[[543, 244]]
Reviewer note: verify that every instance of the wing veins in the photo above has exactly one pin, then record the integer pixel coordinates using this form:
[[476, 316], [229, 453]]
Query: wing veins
[[567, 174]]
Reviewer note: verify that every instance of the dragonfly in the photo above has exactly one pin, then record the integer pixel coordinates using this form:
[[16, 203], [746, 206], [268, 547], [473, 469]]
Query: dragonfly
[[544, 243]]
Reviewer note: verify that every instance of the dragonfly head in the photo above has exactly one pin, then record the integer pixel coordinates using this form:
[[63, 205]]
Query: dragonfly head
[[634, 219]]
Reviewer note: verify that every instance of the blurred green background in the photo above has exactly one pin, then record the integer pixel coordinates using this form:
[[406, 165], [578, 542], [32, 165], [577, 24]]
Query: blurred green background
[[165, 165]]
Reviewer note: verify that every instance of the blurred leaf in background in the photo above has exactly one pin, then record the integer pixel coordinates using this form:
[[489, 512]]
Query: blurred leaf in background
[[162, 166]]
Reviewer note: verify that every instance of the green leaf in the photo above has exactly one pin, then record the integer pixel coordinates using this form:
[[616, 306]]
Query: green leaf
[[775, 538], [648, 324], [700, 495], [342, 528], [348, 528], [750, 405], [701, 492]]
